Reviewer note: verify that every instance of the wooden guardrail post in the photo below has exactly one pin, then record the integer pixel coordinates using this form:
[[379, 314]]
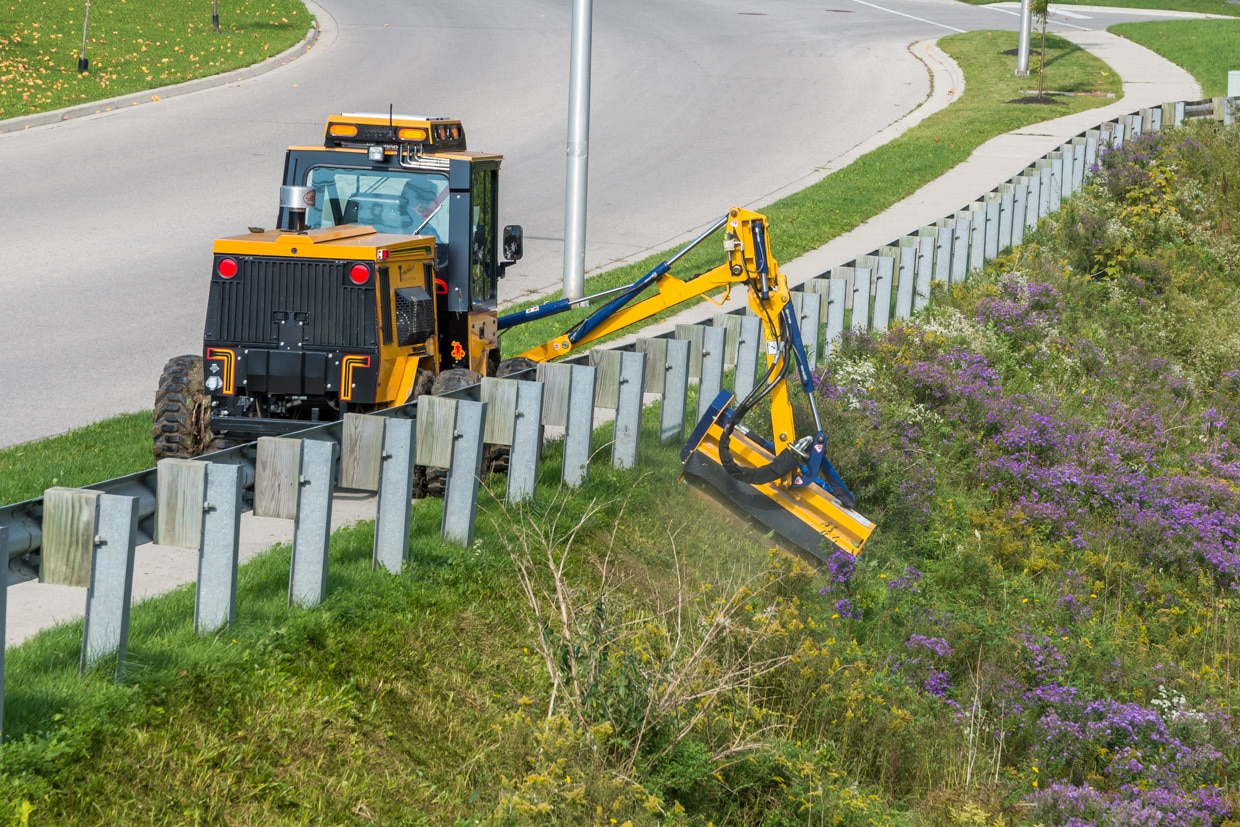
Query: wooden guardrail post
[[977, 236], [883, 267], [692, 333], [215, 603], [926, 239], [1092, 137], [180, 486], [1007, 205], [276, 469], [1078, 163], [862, 284], [837, 299], [394, 508], [748, 350], [619, 389], [361, 451], [990, 250], [1033, 205], [313, 530], [731, 323], [555, 378], [656, 363], [1020, 195], [1153, 118], [68, 536], [460, 502], [106, 629], [606, 378], [942, 253]]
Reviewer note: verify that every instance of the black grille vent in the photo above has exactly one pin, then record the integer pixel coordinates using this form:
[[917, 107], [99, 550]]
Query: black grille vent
[[248, 309], [415, 316]]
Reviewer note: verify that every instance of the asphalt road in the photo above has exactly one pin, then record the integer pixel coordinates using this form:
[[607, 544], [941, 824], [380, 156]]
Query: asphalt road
[[697, 105]]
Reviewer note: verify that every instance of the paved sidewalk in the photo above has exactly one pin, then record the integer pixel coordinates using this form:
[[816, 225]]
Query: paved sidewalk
[[1149, 80]]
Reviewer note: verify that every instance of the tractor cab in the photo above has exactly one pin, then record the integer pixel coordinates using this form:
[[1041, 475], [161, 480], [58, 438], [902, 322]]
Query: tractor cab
[[412, 175]]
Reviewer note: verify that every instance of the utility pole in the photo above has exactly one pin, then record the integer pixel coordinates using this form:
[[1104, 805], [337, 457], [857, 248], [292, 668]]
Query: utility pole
[[1022, 51], [578, 152]]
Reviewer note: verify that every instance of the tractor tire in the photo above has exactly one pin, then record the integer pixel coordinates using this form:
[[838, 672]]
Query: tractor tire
[[446, 382], [182, 415], [495, 457]]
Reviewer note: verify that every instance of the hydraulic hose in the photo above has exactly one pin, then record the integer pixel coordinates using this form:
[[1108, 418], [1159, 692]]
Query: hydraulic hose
[[784, 464]]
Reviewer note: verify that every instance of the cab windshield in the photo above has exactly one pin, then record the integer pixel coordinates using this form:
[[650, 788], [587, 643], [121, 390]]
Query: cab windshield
[[391, 201]]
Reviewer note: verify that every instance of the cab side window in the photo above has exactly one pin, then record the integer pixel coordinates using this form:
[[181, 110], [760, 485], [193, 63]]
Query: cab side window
[[482, 275]]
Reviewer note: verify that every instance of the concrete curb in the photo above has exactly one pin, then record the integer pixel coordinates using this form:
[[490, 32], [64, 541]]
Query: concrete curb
[[21, 124]]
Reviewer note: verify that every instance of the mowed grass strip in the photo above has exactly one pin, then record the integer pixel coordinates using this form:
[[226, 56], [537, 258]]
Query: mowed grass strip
[[810, 218], [132, 46], [110, 448], [1207, 49]]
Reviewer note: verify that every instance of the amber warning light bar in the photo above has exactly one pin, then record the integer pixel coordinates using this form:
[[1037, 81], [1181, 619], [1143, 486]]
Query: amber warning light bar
[[367, 130]]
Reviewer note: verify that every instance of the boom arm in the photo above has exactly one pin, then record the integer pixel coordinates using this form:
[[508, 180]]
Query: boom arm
[[810, 501]]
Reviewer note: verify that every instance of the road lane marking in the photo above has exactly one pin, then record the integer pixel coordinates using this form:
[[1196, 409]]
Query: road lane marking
[[910, 17]]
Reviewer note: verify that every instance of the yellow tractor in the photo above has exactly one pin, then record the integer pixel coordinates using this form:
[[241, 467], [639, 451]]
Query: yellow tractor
[[379, 280], [379, 284]]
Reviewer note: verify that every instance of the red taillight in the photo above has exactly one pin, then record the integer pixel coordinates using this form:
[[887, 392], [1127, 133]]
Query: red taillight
[[359, 274], [227, 268]]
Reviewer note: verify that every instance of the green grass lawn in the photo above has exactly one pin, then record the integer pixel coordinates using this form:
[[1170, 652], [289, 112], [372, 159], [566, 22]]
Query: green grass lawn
[[1207, 49], [111, 448], [132, 45]]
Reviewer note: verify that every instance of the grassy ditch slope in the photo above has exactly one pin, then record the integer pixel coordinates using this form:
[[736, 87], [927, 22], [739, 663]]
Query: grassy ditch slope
[[1043, 630]]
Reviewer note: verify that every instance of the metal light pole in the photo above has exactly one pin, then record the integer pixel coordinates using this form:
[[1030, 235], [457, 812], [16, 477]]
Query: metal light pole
[[578, 152], [1022, 51], [83, 61]]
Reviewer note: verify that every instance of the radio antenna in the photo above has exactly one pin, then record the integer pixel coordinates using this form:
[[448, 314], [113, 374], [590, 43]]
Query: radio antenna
[[391, 121]]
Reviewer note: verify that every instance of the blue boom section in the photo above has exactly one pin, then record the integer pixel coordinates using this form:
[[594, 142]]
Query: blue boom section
[[538, 311], [612, 307], [626, 295]]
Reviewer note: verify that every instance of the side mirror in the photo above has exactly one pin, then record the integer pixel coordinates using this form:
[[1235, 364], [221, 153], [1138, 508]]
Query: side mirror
[[513, 242]]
